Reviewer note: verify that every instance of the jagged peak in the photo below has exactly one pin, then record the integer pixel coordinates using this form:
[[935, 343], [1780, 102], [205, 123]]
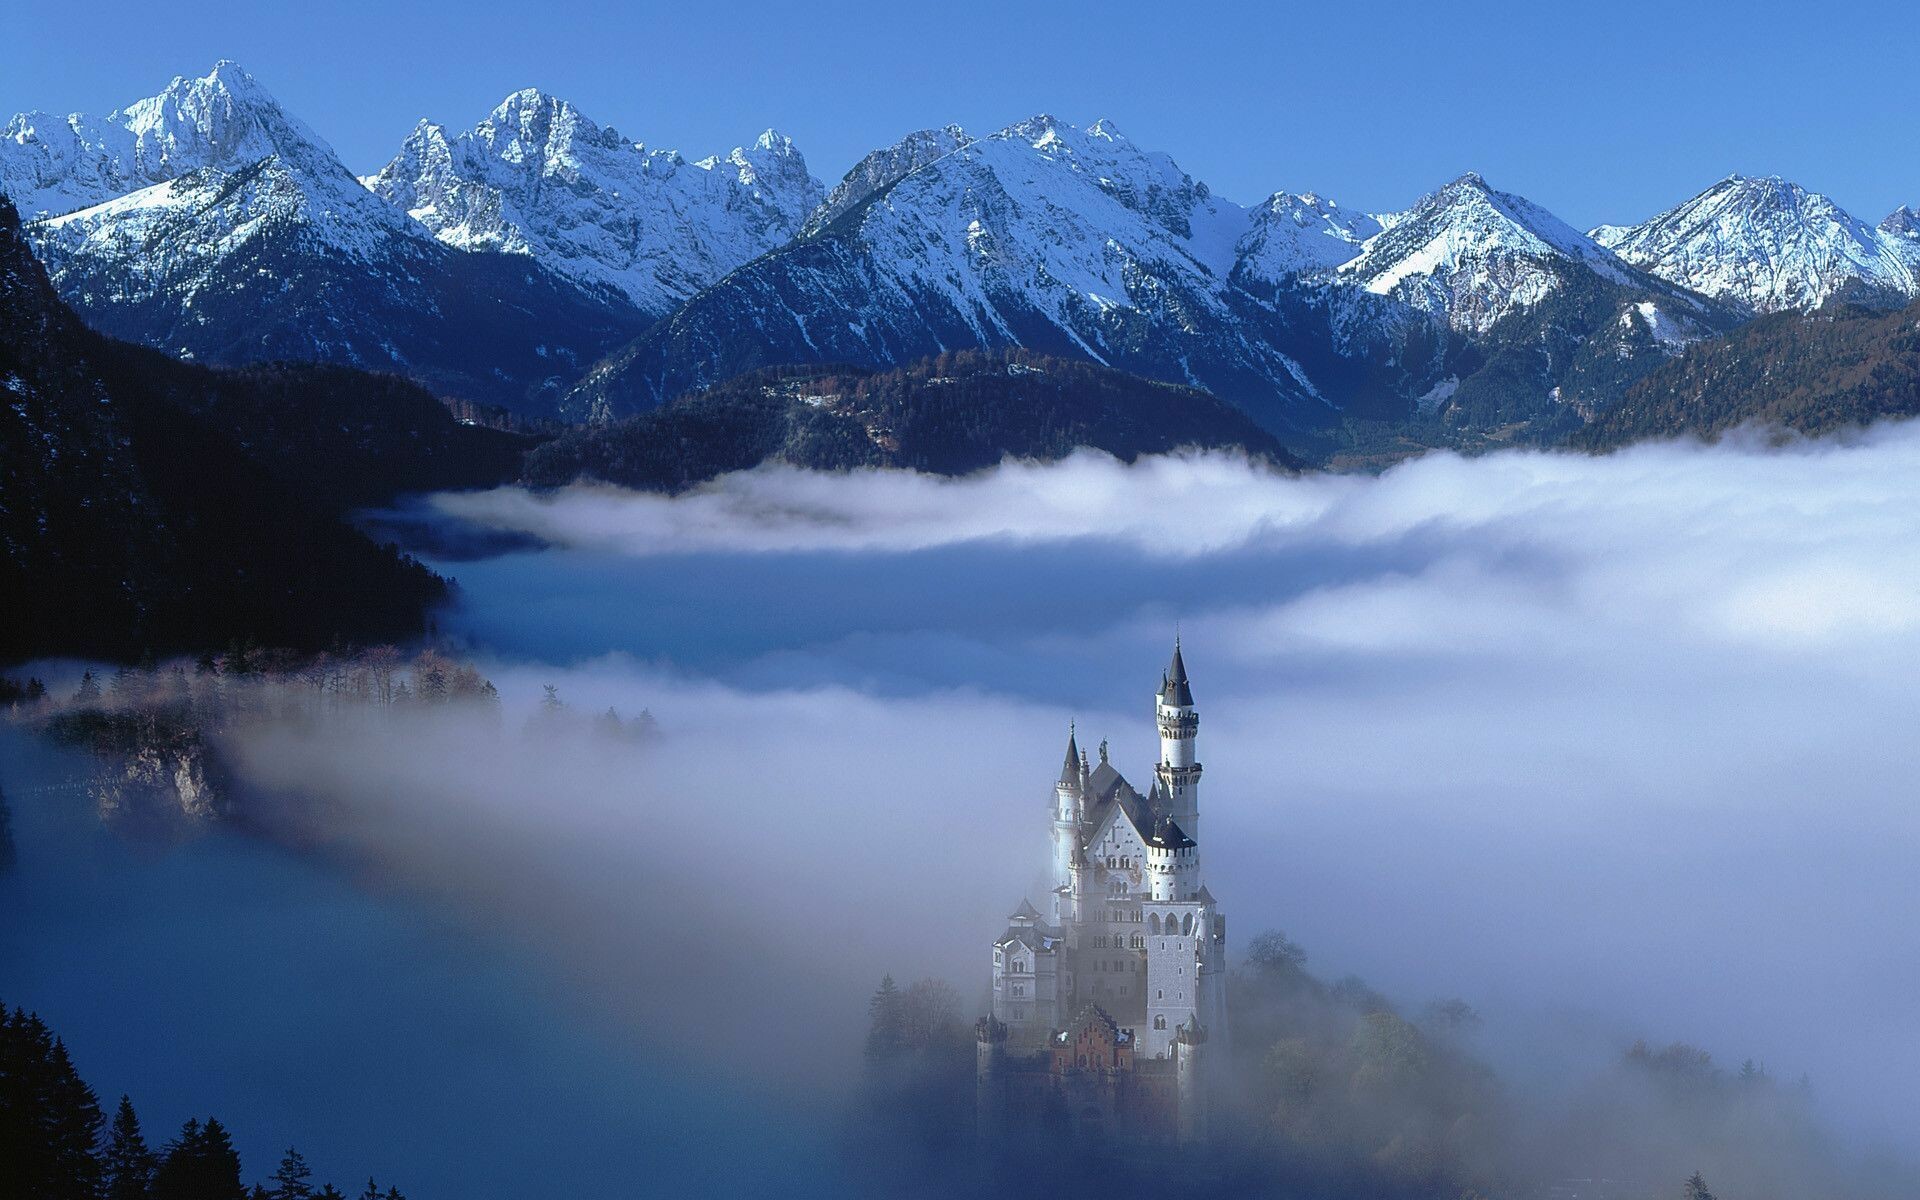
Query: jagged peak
[[1040, 129], [1904, 220], [528, 100], [226, 78], [1105, 130], [772, 140]]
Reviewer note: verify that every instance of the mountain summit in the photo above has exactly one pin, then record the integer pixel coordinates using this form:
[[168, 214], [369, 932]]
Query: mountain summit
[[244, 239], [1771, 245], [538, 178], [223, 119], [1471, 256], [1044, 235]]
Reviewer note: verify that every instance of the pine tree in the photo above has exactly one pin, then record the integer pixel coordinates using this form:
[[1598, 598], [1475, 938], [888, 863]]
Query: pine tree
[[886, 1023], [89, 692], [372, 1192], [70, 1129], [290, 1180], [329, 1192], [200, 1165], [128, 1163], [1697, 1189]]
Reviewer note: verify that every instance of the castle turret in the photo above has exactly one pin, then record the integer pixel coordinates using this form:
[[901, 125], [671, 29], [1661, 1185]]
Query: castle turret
[[1178, 771], [1079, 880], [1066, 815], [1190, 1086], [1172, 869], [990, 1081]]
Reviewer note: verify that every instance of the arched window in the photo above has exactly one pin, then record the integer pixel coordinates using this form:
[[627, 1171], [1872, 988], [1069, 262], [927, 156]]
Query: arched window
[[1153, 923], [1159, 1022], [1186, 923]]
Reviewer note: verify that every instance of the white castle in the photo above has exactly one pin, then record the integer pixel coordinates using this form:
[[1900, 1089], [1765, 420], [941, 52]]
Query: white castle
[[1101, 1007]]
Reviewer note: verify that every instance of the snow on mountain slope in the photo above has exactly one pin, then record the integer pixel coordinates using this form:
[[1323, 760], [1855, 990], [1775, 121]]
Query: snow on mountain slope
[[1771, 245], [537, 177], [882, 169], [1470, 256], [1043, 235], [1298, 234], [258, 243], [224, 119]]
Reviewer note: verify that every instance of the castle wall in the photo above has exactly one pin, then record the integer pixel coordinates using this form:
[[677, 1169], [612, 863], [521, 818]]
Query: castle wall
[[1174, 979]]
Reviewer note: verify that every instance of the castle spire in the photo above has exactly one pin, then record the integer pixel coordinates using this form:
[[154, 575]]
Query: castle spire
[[1070, 770], [1175, 688]]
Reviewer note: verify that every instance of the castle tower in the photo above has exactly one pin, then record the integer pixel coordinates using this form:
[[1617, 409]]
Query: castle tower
[[1172, 863], [990, 1081], [1189, 1047], [1066, 824], [1178, 772]]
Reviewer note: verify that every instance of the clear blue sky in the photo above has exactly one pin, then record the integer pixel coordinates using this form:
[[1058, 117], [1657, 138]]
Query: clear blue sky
[[1608, 113]]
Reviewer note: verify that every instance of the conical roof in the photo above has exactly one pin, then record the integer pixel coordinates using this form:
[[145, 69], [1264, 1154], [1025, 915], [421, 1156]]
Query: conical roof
[[1070, 770], [1174, 685]]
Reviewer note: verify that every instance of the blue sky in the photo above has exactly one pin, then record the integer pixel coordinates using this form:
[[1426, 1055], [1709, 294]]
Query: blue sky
[[1602, 114]]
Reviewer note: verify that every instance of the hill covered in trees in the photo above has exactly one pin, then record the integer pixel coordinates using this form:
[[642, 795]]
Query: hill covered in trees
[[147, 504], [950, 414], [1332, 1090], [1834, 369]]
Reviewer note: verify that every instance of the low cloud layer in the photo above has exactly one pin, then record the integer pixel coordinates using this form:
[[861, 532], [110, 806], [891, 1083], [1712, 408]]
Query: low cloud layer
[[1617, 743], [1610, 748]]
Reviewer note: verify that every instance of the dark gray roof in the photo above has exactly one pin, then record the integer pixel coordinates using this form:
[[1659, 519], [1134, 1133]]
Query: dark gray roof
[[1034, 938], [1131, 805], [1070, 770], [1174, 683], [1167, 835], [1104, 779], [1026, 912]]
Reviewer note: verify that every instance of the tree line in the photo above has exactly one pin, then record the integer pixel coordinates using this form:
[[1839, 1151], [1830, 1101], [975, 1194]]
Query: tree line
[[56, 1143]]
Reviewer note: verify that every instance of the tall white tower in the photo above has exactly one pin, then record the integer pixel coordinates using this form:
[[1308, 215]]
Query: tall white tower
[[1179, 724], [1066, 826]]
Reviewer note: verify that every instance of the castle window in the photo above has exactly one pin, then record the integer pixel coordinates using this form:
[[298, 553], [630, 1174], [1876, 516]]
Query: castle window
[[1160, 994], [1186, 923], [1159, 1022], [1153, 923]]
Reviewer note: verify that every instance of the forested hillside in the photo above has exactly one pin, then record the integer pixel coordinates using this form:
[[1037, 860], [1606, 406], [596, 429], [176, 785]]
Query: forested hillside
[[150, 505], [950, 414], [1840, 367]]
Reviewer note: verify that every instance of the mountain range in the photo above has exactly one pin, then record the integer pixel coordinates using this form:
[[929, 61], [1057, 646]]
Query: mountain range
[[549, 264]]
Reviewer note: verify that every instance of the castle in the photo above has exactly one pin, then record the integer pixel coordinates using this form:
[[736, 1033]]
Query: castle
[[1103, 1006]]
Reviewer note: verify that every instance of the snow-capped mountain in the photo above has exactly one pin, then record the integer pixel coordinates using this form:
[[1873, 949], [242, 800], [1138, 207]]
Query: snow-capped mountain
[[538, 178], [52, 165], [882, 169], [248, 239], [1044, 235], [1293, 235], [1471, 256], [1771, 245]]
